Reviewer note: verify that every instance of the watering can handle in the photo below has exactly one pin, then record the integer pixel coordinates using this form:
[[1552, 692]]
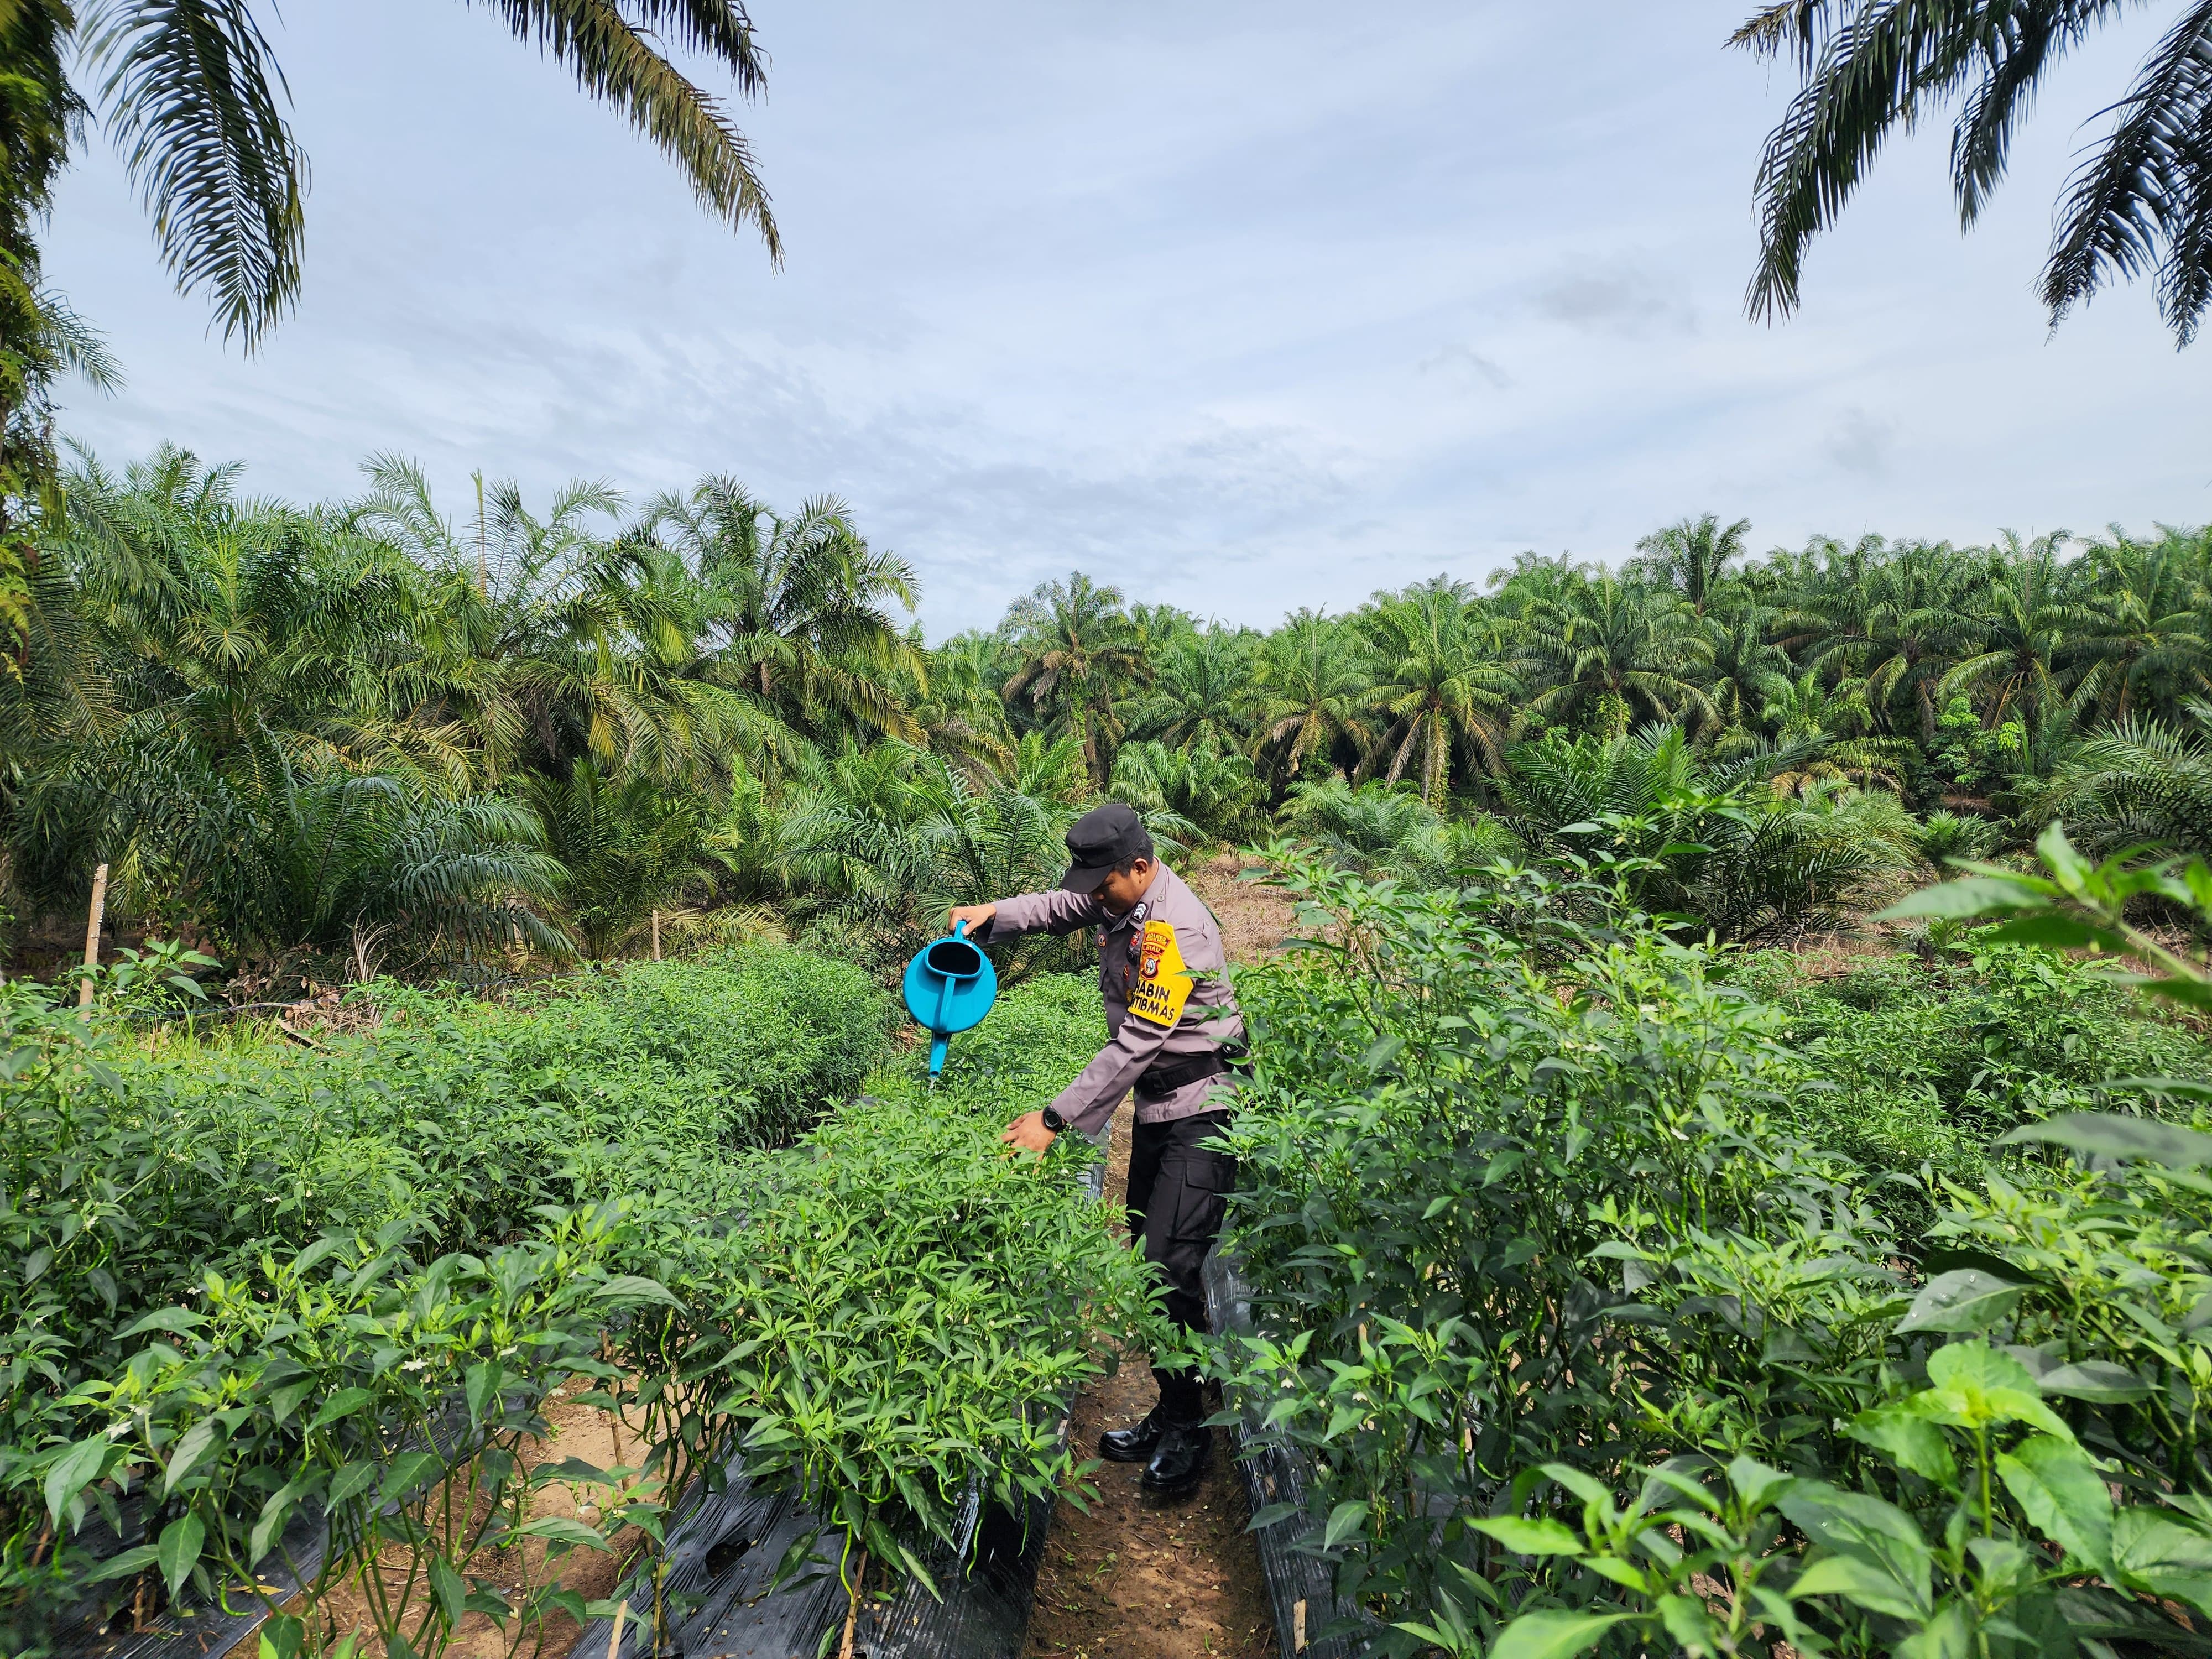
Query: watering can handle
[[960, 928]]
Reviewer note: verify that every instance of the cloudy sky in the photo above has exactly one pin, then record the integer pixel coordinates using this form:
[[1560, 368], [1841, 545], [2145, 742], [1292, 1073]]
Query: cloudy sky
[[1246, 305]]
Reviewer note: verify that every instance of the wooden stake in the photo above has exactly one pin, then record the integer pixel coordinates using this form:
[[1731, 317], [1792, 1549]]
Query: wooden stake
[[614, 1642], [92, 933], [853, 1608], [656, 935]]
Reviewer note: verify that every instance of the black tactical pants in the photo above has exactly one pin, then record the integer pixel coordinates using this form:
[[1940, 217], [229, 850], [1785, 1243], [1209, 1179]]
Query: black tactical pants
[[1178, 1194]]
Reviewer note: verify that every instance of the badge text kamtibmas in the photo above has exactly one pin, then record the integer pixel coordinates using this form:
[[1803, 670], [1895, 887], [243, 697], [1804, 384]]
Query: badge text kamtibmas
[[1162, 987]]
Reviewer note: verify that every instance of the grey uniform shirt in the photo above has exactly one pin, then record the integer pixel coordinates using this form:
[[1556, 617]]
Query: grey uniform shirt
[[1209, 1019]]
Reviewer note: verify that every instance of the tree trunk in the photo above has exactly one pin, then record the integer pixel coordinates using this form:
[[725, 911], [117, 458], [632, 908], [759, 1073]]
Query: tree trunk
[[92, 933], [656, 935]]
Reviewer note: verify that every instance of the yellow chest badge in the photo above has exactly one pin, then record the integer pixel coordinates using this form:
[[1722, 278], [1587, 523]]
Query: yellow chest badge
[[1161, 987]]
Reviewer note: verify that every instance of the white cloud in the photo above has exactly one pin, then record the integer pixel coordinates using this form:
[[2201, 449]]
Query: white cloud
[[1248, 307]]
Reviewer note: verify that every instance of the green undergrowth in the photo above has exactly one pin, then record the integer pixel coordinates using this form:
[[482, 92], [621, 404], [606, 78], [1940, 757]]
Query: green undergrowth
[[1594, 1345], [1928, 1062], [251, 1272]]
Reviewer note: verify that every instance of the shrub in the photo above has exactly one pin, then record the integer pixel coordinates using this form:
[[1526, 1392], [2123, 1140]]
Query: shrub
[[1591, 1347], [881, 1319], [131, 1174], [1930, 1062]]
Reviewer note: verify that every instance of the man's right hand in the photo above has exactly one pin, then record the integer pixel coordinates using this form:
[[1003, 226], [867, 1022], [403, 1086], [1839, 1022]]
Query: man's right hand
[[977, 916]]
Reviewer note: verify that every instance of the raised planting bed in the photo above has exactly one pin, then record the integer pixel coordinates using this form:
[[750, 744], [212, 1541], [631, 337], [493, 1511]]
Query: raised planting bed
[[724, 1547]]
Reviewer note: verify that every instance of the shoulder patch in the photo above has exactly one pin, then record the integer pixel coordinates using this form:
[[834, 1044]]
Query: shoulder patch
[[1162, 987]]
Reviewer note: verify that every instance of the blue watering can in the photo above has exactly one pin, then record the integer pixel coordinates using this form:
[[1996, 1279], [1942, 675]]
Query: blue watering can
[[950, 985]]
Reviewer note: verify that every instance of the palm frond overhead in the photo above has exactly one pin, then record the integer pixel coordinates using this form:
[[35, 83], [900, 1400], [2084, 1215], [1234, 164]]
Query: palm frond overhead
[[190, 88], [2141, 202]]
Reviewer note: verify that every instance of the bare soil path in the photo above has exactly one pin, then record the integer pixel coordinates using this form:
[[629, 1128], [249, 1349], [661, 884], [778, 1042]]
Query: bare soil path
[[1138, 1578]]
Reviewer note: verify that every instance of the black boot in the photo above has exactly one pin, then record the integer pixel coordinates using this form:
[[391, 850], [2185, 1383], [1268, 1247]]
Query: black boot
[[1180, 1462], [1134, 1444]]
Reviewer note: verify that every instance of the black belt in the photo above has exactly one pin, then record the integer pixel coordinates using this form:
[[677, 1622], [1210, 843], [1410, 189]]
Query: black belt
[[1162, 1081]]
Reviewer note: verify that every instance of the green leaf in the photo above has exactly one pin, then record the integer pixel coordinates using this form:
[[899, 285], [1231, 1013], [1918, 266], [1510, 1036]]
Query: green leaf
[[631, 1287], [1553, 1635], [1863, 1582], [2196, 993], [356, 1477], [1344, 1520], [2107, 1134], [175, 1321], [122, 1566], [2055, 931], [1524, 1536], [1963, 1300], [2094, 1379], [1754, 1481], [1865, 1529], [1944, 1262], [1272, 1514], [1908, 1441], [1948, 1635], [409, 1473], [565, 1529], [283, 1402], [198, 1442], [271, 1522], [1690, 1622], [72, 1472], [2062, 1494], [2153, 1550], [179, 1550], [451, 1592], [1974, 1385], [481, 1386], [1963, 900], [344, 1403]]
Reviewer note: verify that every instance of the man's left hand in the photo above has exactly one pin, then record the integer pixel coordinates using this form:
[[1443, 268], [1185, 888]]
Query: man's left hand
[[1028, 1133]]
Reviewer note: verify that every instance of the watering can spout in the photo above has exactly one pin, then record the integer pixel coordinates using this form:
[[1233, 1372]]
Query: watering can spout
[[950, 985]]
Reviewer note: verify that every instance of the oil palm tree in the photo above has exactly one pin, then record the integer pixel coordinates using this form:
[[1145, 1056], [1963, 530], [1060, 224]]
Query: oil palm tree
[[2030, 615], [1870, 68], [959, 710], [1444, 686], [536, 636], [1748, 669], [802, 612], [1079, 651], [2140, 781], [1693, 556], [2145, 646], [1313, 677], [1606, 648], [1899, 618], [1202, 690], [191, 91]]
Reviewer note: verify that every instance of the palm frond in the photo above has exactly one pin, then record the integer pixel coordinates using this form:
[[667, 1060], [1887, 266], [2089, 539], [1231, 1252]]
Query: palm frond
[[2144, 200], [613, 56], [190, 93]]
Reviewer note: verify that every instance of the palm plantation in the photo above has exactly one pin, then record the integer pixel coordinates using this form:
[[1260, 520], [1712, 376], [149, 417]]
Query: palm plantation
[[380, 732]]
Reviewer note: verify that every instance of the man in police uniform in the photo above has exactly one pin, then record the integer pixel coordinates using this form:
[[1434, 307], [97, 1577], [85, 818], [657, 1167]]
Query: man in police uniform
[[1178, 1040]]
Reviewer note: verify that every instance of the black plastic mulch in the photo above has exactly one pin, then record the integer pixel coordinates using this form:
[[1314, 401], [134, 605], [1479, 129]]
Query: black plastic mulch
[[1301, 1587]]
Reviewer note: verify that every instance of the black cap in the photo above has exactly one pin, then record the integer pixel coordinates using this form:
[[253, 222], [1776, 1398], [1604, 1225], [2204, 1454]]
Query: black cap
[[1102, 838]]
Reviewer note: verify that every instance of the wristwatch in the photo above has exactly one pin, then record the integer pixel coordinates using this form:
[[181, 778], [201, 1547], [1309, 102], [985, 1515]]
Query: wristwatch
[[1053, 1120]]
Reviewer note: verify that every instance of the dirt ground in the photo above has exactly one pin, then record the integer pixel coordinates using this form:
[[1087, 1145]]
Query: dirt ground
[[1139, 1578], [1254, 919]]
